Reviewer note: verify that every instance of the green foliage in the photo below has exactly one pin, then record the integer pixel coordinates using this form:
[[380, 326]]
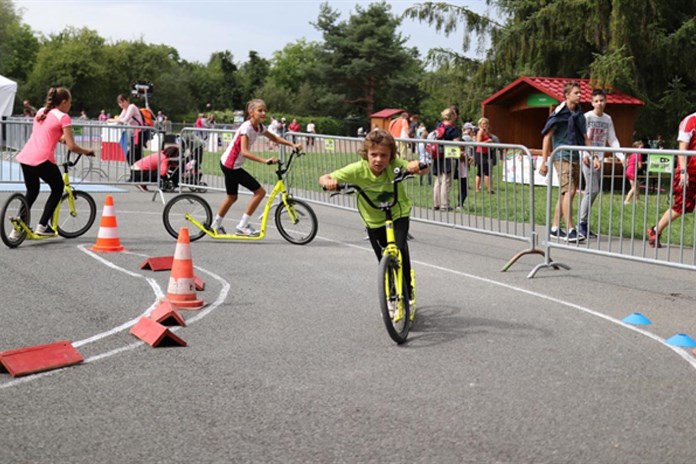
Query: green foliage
[[638, 46], [364, 60]]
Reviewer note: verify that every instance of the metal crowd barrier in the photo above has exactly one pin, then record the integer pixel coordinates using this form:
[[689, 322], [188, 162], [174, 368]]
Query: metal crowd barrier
[[622, 226], [510, 212], [115, 148]]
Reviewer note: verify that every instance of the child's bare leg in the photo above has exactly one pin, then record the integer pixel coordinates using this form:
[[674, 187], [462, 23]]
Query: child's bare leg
[[226, 205], [255, 201], [669, 216]]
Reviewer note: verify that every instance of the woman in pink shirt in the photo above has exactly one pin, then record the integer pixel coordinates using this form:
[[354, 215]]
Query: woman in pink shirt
[[37, 159], [130, 116]]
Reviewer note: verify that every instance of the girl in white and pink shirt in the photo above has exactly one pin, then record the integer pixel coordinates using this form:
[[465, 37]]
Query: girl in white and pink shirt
[[37, 159], [231, 164]]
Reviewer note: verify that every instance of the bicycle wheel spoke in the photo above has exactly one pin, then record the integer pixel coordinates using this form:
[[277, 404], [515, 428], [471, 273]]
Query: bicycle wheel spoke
[[297, 224], [77, 216], [182, 207]]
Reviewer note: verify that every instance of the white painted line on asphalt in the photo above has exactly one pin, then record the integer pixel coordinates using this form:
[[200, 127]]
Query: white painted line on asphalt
[[679, 351], [126, 325], [158, 293]]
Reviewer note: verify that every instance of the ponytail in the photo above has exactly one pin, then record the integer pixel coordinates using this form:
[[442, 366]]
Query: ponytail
[[55, 96]]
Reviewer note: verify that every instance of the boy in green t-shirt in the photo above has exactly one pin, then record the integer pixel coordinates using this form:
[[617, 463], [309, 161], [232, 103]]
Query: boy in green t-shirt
[[374, 174]]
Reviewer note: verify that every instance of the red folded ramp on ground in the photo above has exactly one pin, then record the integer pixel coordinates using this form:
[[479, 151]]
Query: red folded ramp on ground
[[158, 263], [164, 263], [39, 358], [166, 314], [155, 334]]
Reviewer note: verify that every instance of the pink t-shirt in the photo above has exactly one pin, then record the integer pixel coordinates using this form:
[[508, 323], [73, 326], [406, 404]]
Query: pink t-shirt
[[632, 166], [44, 137], [152, 162], [232, 158]]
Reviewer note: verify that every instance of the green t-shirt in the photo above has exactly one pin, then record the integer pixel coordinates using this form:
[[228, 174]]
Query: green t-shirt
[[378, 188]]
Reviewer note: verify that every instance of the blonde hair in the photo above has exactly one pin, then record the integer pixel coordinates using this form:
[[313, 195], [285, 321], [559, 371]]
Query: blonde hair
[[482, 120], [378, 137], [448, 114]]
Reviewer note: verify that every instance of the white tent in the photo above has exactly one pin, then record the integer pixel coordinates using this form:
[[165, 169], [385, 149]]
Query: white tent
[[8, 89]]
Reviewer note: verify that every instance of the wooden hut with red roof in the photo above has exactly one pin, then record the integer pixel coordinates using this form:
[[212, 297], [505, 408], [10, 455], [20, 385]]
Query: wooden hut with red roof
[[518, 111], [382, 118]]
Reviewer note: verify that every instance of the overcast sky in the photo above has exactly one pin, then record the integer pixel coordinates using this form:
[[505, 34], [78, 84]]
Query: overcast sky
[[197, 28]]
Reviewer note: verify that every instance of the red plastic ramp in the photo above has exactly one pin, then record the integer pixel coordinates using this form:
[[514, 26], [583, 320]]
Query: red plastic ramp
[[39, 358], [155, 334], [166, 314], [158, 263]]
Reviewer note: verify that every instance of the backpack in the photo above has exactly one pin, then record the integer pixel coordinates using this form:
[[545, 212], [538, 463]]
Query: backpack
[[433, 149], [147, 118]]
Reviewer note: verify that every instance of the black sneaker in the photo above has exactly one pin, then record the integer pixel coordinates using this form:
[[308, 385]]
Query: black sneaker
[[583, 231], [558, 233], [573, 236]]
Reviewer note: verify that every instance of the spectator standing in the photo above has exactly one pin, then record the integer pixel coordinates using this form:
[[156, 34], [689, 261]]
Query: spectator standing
[[633, 164], [483, 156], [423, 156], [83, 116], [683, 187], [442, 167], [465, 161], [38, 160], [159, 121], [102, 116], [130, 116], [566, 125], [600, 131], [399, 128], [294, 127], [28, 110], [311, 130]]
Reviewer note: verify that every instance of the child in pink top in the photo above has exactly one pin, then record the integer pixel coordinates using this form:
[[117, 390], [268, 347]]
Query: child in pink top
[[37, 159], [145, 170], [633, 164]]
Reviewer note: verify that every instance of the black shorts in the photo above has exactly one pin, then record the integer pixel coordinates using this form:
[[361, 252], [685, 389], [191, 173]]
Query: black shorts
[[236, 177]]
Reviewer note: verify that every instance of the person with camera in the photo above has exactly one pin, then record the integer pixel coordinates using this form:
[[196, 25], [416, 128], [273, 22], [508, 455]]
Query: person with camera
[[130, 116]]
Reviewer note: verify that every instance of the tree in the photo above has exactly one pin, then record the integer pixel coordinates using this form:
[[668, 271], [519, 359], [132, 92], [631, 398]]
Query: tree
[[74, 59], [639, 46], [252, 75], [365, 61]]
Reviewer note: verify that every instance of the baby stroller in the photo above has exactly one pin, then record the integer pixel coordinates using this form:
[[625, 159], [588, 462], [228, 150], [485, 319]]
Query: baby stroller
[[193, 147]]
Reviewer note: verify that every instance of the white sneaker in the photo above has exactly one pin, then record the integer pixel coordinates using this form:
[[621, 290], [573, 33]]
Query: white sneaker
[[219, 230], [247, 230], [44, 231], [392, 308], [14, 235]]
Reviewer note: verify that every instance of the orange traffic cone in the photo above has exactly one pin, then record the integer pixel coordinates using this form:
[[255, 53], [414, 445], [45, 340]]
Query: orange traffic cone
[[107, 238], [181, 291]]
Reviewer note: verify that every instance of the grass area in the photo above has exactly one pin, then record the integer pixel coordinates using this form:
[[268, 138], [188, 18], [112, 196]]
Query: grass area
[[511, 201]]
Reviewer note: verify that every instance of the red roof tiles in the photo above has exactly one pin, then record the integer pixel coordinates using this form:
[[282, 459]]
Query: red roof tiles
[[386, 113], [553, 86]]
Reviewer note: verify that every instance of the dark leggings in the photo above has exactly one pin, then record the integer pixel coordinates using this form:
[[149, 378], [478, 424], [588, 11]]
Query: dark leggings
[[49, 173], [378, 239]]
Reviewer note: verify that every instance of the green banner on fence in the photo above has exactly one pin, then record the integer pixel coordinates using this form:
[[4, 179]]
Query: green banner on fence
[[661, 163], [452, 152], [329, 145]]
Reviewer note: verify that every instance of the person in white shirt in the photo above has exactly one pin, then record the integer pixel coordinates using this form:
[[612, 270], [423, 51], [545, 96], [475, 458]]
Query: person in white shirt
[[600, 131]]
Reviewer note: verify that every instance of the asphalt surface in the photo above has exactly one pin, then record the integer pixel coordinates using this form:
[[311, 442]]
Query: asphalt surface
[[290, 361]]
